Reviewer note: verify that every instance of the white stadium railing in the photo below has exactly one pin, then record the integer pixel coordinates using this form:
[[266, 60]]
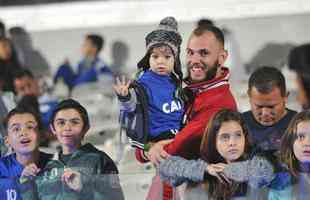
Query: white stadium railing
[[116, 13]]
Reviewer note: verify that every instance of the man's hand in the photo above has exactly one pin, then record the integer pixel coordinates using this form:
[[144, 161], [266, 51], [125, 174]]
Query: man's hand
[[157, 152]]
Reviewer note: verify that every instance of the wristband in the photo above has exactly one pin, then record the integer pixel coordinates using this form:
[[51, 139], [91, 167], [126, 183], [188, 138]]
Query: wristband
[[124, 98]]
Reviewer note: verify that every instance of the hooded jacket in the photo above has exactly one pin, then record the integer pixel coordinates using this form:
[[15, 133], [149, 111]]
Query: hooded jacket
[[98, 177], [85, 74], [209, 97]]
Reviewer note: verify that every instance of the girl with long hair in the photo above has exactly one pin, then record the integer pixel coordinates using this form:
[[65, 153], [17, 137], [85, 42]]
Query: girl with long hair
[[294, 182], [227, 165]]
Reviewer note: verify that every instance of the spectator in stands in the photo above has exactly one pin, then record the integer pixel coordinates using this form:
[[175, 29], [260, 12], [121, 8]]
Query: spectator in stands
[[8, 64], [28, 57], [227, 166], [2, 29], [25, 84], [7, 102], [3, 112], [23, 135], [161, 80], [119, 54], [86, 170], [268, 118], [233, 61], [208, 92], [28, 92], [299, 61], [90, 69], [293, 183]]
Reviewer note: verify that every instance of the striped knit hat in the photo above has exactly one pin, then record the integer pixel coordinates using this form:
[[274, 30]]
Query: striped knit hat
[[167, 34]]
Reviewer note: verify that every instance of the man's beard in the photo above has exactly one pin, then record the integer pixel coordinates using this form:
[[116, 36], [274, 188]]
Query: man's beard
[[210, 71]]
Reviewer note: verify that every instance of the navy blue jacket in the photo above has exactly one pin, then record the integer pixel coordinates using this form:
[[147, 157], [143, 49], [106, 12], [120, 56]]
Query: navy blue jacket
[[84, 73], [165, 109], [267, 138]]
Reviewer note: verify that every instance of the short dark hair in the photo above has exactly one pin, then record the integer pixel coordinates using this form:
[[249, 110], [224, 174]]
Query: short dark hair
[[4, 39], [20, 73], [265, 78], [205, 22], [2, 29], [22, 110], [71, 104], [17, 30], [218, 33], [30, 101], [299, 61], [96, 40]]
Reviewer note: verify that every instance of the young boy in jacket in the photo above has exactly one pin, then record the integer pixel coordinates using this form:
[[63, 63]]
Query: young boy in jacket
[[22, 126], [160, 77], [77, 171]]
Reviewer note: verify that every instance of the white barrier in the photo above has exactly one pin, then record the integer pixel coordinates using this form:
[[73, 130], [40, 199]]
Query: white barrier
[[116, 13]]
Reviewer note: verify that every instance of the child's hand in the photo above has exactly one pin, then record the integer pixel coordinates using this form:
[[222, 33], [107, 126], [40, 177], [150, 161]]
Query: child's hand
[[30, 170], [121, 87], [217, 171], [72, 179]]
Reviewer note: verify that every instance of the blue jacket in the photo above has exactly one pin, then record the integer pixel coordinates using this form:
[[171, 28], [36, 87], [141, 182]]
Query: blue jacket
[[165, 109], [285, 187], [10, 171], [47, 105], [267, 138], [85, 74], [91, 74]]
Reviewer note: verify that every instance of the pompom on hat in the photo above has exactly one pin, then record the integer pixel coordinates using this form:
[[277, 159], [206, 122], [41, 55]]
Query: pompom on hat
[[165, 34]]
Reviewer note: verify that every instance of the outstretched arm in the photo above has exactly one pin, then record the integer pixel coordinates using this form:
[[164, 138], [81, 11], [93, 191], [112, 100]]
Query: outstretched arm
[[258, 172], [176, 170]]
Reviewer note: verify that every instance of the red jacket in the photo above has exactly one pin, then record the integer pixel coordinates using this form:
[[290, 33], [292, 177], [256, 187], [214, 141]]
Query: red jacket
[[210, 97]]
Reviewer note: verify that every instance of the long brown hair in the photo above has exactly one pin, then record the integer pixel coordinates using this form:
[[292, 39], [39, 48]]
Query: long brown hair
[[210, 154], [288, 139]]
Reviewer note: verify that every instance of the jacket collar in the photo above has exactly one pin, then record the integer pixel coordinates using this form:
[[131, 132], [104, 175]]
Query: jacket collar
[[84, 148], [210, 84]]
